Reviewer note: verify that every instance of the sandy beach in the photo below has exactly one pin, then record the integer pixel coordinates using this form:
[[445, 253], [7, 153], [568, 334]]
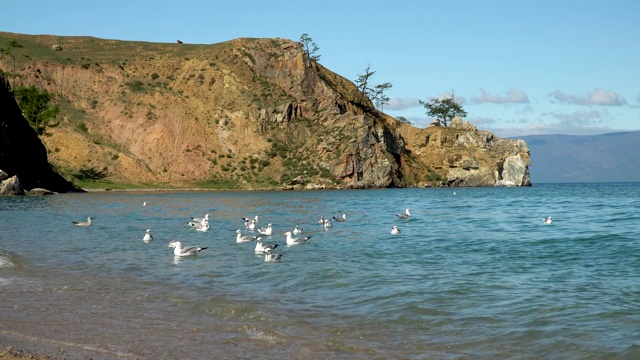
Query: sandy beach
[[15, 346]]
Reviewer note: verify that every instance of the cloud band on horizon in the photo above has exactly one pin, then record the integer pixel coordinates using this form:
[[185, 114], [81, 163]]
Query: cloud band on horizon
[[515, 96], [598, 97]]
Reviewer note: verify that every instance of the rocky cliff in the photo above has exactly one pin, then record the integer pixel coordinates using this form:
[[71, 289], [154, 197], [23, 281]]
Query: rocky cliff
[[248, 113], [23, 157], [469, 157]]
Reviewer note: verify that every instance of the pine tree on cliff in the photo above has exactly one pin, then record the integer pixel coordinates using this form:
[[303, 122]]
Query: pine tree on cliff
[[444, 110]]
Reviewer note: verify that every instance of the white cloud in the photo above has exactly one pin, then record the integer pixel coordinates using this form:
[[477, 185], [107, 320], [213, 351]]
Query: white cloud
[[579, 117], [512, 96], [401, 103], [598, 97], [482, 121]]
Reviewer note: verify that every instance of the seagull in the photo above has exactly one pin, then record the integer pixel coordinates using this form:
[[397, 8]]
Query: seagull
[[247, 238], [250, 223], [405, 216], [395, 230], [272, 257], [184, 251], [201, 220], [200, 226], [327, 223], [295, 241], [144, 203], [321, 220], [263, 248], [340, 219], [255, 219], [82, 223], [547, 220], [266, 231], [297, 230], [147, 236]]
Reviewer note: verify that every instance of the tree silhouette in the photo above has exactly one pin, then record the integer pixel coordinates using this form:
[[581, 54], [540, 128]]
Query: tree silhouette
[[444, 110], [310, 47]]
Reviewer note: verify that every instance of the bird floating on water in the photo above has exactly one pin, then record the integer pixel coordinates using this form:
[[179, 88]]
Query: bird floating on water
[[321, 220], [250, 223], [342, 218], [83, 223], [201, 220], [262, 247], [395, 230], [178, 250], [297, 230], [405, 215], [547, 220], [266, 230], [271, 256], [327, 224], [246, 238], [200, 226], [147, 236], [294, 241]]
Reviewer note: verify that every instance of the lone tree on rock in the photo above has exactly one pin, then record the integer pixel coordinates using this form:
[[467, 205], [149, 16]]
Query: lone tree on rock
[[375, 94], [444, 110], [310, 47]]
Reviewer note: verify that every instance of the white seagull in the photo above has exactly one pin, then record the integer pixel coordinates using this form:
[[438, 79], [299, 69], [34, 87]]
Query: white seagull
[[250, 223], [201, 220], [200, 226], [263, 248], [83, 223], [295, 241], [298, 230], [184, 251], [147, 236], [343, 218], [272, 257], [405, 216], [266, 231], [547, 220], [321, 220], [242, 239], [395, 230], [327, 224]]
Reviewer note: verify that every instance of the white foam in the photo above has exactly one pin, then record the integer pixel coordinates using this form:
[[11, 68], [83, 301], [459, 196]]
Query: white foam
[[5, 262]]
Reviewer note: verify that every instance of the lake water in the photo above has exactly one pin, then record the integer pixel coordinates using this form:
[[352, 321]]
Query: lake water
[[475, 274]]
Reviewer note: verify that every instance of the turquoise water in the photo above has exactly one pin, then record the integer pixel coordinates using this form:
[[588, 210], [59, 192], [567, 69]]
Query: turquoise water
[[474, 274]]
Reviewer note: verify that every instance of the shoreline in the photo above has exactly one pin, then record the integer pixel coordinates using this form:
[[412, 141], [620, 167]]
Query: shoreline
[[16, 346]]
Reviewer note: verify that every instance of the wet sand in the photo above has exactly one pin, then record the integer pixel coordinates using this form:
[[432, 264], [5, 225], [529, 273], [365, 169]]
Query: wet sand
[[14, 346]]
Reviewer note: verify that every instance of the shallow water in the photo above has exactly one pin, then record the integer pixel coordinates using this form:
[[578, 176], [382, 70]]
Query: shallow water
[[474, 274]]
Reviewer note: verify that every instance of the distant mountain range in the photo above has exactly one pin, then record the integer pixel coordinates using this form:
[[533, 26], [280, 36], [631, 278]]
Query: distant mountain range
[[613, 157]]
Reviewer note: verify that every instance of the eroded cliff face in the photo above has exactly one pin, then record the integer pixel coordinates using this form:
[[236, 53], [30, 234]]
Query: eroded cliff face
[[248, 113], [469, 157]]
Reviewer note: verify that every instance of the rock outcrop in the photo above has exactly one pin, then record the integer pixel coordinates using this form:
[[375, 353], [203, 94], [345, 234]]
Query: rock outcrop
[[23, 157], [247, 113], [466, 156]]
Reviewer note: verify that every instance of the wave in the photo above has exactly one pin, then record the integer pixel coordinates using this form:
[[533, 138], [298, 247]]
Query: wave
[[7, 260]]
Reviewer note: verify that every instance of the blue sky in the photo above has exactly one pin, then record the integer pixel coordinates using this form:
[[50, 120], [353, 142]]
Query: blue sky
[[520, 67]]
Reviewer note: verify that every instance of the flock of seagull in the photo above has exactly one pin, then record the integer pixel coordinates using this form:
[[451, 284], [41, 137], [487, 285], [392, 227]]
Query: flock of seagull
[[250, 224]]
